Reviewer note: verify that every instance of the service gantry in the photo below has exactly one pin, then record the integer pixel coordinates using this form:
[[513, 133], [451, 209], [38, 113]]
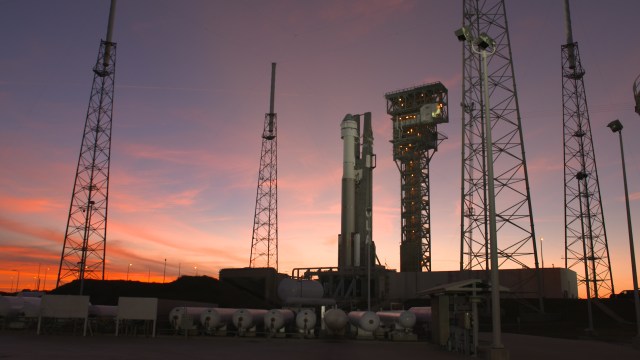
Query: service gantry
[[415, 113]]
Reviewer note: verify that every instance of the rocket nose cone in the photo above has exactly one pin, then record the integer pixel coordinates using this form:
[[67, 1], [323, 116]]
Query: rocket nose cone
[[348, 117]]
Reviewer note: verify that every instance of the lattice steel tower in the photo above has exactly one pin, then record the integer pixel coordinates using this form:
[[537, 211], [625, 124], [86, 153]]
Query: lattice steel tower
[[84, 248], [586, 248], [264, 240], [415, 113], [514, 219]]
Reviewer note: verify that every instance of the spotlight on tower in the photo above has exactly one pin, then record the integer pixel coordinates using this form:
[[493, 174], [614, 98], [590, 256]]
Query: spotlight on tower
[[463, 34], [484, 41], [615, 126]]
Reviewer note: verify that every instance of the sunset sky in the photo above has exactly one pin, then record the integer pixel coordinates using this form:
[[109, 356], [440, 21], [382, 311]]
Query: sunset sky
[[192, 88]]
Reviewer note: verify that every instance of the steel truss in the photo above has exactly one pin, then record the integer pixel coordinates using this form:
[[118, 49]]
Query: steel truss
[[84, 248], [516, 236], [585, 232], [264, 239]]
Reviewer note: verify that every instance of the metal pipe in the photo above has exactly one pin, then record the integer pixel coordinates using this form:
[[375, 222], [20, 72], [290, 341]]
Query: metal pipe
[[569, 34], [273, 87], [107, 47], [567, 23]]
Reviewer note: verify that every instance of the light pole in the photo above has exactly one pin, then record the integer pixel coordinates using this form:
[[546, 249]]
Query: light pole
[[368, 227], [541, 252], [164, 272], [616, 127], [17, 279], [128, 269], [479, 46], [44, 286]]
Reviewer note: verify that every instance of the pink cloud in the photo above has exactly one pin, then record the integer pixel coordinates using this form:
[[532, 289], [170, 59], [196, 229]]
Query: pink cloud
[[30, 230], [28, 205]]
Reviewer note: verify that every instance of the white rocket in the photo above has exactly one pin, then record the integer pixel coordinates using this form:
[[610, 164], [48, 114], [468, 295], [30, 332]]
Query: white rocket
[[358, 163]]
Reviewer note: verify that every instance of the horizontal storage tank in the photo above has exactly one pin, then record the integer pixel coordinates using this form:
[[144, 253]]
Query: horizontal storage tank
[[423, 314], [244, 319], [18, 306], [184, 317], [399, 319], [276, 319], [364, 320], [103, 311], [306, 319], [216, 318], [335, 320], [307, 289]]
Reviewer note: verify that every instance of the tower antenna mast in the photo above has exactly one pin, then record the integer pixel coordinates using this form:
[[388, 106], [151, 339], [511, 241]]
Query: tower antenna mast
[[586, 248], [264, 239], [84, 247]]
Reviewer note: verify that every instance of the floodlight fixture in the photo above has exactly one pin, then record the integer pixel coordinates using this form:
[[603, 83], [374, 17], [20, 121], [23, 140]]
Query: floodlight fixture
[[581, 175], [615, 126], [463, 34], [484, 41]]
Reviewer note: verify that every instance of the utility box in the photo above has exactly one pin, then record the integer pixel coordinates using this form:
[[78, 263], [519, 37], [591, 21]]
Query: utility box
[[454, 309], [440, 319]]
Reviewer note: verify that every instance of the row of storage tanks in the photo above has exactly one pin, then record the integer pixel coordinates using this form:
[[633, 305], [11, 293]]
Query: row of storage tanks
[[303, 304], [302, 321], [29, 307]]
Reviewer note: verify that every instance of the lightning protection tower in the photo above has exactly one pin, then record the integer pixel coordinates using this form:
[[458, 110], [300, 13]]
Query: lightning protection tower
[[516, 236], [264, 240], [586, 248], [415, 114], [84, 248]]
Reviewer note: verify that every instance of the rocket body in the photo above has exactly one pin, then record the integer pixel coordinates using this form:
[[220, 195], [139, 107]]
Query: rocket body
[[349, 133], [355, 241]]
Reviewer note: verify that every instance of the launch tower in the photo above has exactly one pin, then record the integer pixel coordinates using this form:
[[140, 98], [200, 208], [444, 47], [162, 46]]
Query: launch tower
[[415, 113], [264, 239], [84, 248]]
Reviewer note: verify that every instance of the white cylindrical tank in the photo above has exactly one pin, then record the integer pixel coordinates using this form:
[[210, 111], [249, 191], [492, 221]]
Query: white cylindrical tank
[[184, 318], [215, 318], [244, 319], [103, 311], [400, 318], [423, 313], [365, 320], [290, 288], [11, 306], [276, 319], [335, 319], [306, 319]]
